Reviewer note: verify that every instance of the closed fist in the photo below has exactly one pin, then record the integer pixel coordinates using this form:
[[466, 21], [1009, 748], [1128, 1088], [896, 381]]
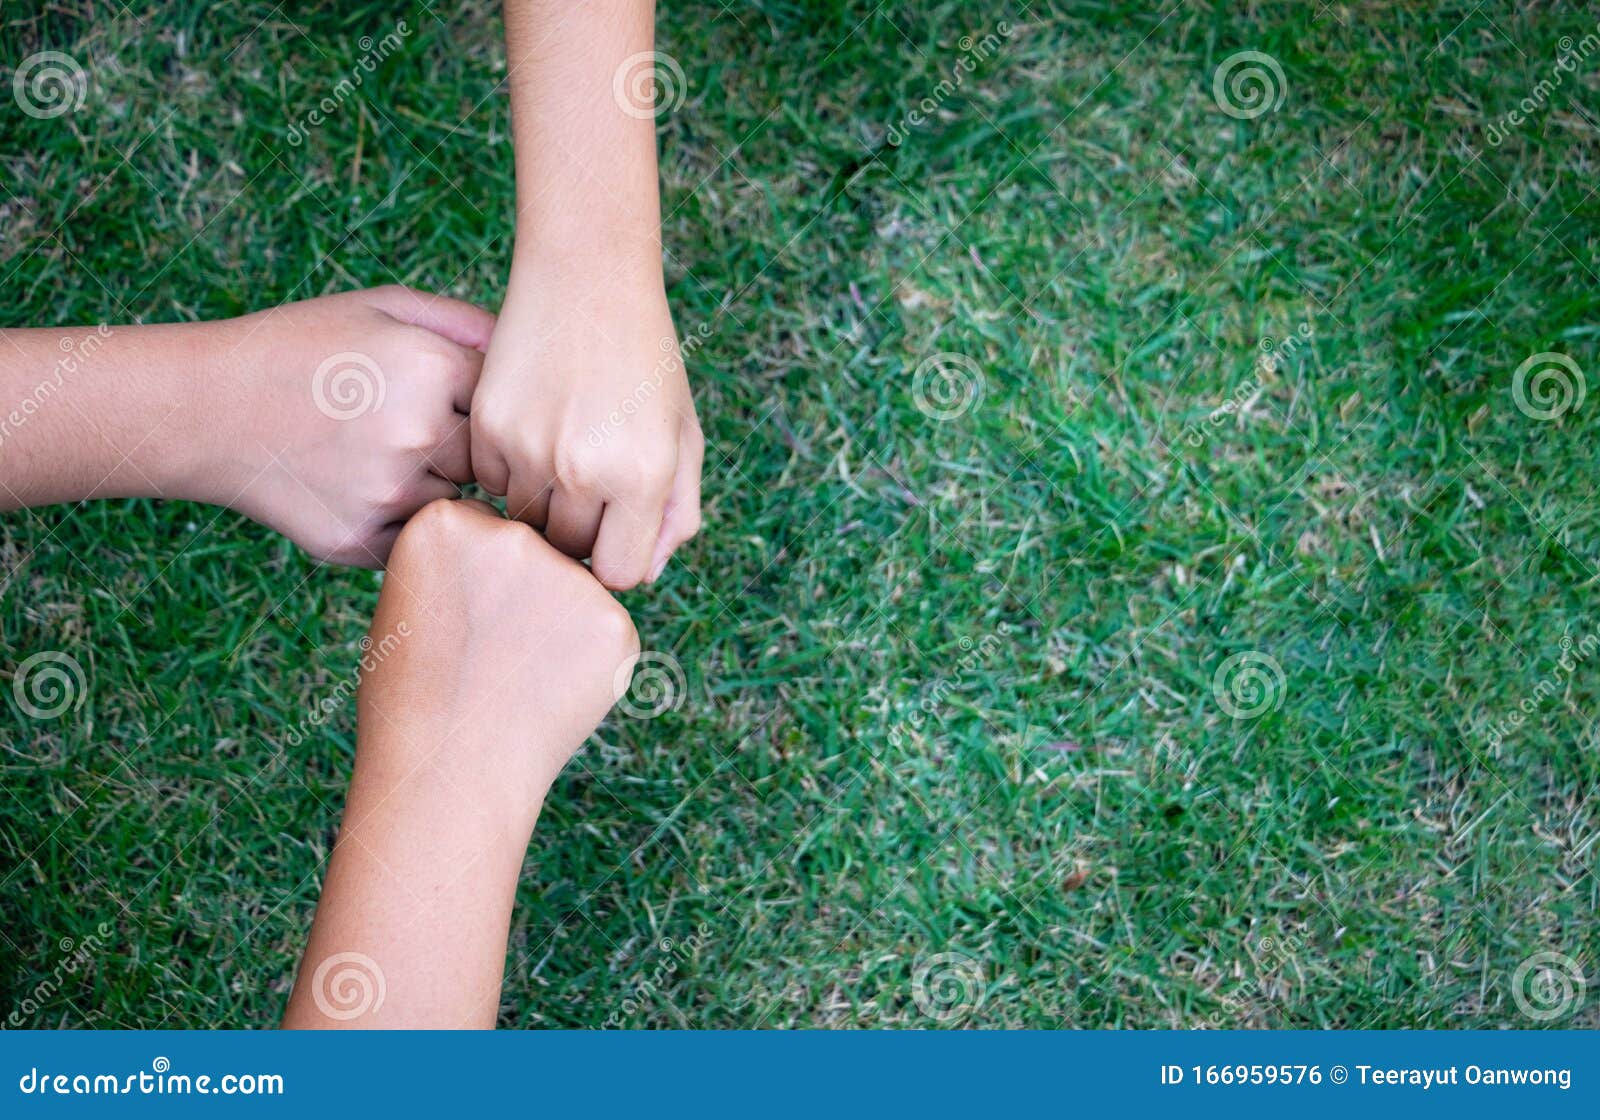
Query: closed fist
[[584, 422], [511, 653], [341, 416]]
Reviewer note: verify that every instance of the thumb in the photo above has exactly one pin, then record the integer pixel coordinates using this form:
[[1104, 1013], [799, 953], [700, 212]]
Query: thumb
[[463, 323]]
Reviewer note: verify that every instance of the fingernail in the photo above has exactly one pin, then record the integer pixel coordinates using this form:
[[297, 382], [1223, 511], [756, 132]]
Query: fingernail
[[656, 570]]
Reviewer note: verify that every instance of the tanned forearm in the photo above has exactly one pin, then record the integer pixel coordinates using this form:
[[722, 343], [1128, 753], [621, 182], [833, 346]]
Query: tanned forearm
[[586, 172]]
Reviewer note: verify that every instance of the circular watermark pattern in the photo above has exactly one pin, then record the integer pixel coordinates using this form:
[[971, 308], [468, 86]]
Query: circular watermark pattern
[[1547, 386], [49, 84], [348, 385], [1281, 946], [49, 684], [1248, 684], [946, 385], [161, 1065], [650, 686], [1547, 986], [948, 986], [649, 84], [1248, 84], [347, 986]]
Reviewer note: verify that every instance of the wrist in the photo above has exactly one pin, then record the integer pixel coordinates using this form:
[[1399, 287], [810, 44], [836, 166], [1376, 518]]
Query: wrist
[[198, 463], [613, 257], [464, 775]]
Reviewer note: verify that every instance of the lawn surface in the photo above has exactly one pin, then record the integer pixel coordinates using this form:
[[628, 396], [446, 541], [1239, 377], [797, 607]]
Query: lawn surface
[[1136, 589]]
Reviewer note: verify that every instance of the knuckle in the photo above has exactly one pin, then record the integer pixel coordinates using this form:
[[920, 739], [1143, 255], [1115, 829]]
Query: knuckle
[[415, 436], [655, 473], [583, 467], [615, 627], [486, 430], [493, 421], [430, 358], [431, 523]]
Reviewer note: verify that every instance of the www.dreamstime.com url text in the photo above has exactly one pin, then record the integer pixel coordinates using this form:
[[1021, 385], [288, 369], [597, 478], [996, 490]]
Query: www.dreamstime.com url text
[[1365, 1076], [157, 1081]]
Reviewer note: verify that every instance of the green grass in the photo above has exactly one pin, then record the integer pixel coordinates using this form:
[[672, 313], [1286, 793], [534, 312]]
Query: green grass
[[949, 685]]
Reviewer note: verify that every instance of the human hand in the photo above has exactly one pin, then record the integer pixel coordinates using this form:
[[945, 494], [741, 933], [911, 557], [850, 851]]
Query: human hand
[[341, 416], [584, 422], [504, 656], [490, 659]]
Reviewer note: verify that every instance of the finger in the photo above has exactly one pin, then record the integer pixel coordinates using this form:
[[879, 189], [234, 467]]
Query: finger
[[529, 505], [463, 323], [461, 366], [573, 521], [628, 532], [375, 550], [682, 518], [429, 487], [451, 457], [489, 466]]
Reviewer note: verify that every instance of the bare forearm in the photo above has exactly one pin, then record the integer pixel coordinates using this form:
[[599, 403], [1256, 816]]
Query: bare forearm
[[584, 136], [412, 924], [492, 658], [103, 412], [585, 339]]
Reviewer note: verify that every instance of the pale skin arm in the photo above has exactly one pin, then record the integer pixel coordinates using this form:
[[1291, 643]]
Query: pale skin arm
[[502, 657], [586, 168], [584, 419], [331, 420], [102, 412]]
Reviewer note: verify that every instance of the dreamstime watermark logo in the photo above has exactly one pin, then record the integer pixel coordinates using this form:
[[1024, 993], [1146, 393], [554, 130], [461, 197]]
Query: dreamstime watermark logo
[[974, 52], [675, 953], [1271, 355], [672, 358], [947, 385], [1570, 54], [1278, 947], [649, 84], [348, 385], [1547, 986], [373, 654], [1574, 652], [374, 52], [1249, 84], [1547, 386], [934, 697], [50, 84], [948, 987], [650, 685], [78, 955], [75, 352], [158, 1081], [1248, 684], [1195, 434], [49, 684], [347, 986]]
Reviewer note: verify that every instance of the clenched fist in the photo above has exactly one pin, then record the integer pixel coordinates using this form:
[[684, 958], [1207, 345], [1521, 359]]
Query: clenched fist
[[337, 418], [583, 420], [512, 656], [491, 658]]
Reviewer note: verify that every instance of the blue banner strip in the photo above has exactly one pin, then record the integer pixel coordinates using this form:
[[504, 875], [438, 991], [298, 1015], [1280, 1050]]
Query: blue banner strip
[[1351, 1074]]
